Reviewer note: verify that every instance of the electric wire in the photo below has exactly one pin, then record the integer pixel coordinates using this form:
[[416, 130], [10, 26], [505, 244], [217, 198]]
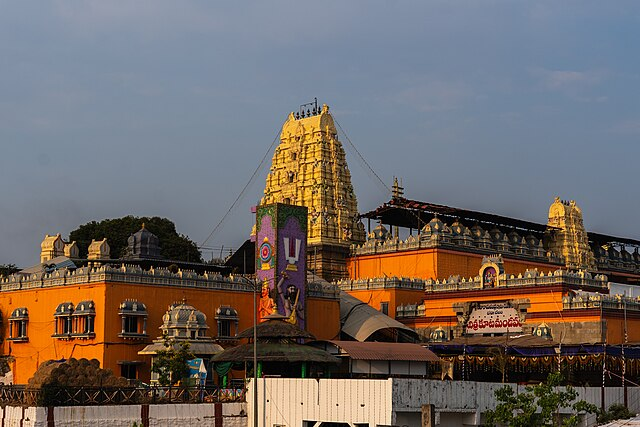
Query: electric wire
[[386, 188], [244, 189]]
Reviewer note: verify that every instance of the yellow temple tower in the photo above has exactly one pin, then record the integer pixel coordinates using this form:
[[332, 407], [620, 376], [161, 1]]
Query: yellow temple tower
[[570, 240], [309, 169]]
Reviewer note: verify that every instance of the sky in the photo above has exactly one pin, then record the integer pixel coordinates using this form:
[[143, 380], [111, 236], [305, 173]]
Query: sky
[[166, 108]]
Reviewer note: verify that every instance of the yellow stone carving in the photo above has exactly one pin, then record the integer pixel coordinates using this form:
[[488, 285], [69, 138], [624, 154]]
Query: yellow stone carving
[[309, 169], [99, 249], [571, 240], [51, 247]]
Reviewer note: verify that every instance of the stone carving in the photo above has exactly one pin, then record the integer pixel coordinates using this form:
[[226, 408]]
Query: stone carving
[[569, 237]]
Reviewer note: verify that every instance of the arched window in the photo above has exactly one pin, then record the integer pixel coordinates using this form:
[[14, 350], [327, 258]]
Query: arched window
[[84, 320], [134, 320], [18, 325], [227, 318], [63, 326]]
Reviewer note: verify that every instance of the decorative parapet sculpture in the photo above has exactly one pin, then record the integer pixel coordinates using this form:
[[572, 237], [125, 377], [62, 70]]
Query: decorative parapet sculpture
[[133, 274], [437, 234]]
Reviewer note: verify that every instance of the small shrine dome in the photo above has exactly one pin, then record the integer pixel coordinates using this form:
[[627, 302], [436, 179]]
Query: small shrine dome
[[434, 226], [184, 320], [543, 331], [143, 244], [438, 335], [379, 233]]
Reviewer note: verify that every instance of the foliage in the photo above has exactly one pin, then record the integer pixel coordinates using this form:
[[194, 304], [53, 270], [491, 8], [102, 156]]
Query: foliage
[[615, 412], [174, 246], [539, 405], [171, 363], [8, 269]]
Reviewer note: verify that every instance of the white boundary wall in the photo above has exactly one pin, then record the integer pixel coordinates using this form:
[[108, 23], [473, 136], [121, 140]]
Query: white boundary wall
[[397, 401], [174, 415]]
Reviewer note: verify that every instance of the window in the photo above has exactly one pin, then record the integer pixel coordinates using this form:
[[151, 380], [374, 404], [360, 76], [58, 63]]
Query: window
[[18, 325], [129, 371], [134, 320], [384, 307], [227, 318], [84, 320], [63, 326]]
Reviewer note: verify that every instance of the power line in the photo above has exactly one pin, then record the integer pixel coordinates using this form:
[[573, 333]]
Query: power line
[[244, 189], [362, 159]]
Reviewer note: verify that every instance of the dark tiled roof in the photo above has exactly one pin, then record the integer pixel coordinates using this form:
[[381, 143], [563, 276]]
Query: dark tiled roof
[[386, 351]]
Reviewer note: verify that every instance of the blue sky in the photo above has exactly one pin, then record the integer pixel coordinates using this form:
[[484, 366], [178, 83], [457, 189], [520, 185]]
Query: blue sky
[[166, 108]]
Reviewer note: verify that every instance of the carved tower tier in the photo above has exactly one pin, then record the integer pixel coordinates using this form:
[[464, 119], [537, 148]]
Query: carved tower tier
[[309, 169], [570, 237]]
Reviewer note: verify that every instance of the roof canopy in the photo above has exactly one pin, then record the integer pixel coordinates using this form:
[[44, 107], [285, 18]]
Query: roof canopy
[[385, 351], [275, 352], [360, 321], [415, 214]]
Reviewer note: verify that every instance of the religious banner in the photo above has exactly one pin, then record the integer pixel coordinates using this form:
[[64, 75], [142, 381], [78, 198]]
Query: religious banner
[[493, 319], [281, 249]]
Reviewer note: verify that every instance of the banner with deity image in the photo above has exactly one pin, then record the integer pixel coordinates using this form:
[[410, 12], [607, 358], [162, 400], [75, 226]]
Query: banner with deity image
[[281, 248]]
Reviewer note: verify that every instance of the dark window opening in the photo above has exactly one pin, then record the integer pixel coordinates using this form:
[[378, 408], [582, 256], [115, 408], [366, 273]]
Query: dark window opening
[[384, 308]]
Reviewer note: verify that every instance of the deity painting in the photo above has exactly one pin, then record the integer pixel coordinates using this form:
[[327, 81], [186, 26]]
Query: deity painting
[[267, 306], [266, 254], [489, 277]]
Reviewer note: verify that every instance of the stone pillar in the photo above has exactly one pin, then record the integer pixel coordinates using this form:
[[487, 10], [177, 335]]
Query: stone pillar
[[428, 416]]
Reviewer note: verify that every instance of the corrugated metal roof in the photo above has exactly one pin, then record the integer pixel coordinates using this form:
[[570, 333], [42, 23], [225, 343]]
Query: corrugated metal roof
[[360, 320], [386, 351]]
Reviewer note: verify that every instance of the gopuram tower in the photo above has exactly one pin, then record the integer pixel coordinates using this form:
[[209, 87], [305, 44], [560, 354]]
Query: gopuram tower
[[309, 169], [570, 237]]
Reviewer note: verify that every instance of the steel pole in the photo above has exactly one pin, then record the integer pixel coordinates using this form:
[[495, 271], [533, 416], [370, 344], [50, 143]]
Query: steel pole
[[255, 357]]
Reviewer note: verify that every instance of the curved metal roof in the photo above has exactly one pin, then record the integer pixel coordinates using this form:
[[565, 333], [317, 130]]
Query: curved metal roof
[[360, 321]]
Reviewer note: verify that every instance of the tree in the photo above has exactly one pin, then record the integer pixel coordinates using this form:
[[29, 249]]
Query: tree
[[539, 405], [174, 246], [171, 363], [615, 412], [7, 270]]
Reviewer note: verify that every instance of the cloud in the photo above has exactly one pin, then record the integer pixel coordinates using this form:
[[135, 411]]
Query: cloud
[[566, 79], [435, 95]]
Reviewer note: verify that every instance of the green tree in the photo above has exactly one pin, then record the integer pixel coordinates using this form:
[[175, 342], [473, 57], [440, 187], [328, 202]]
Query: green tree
[[539, 405], [171, 363], [615, 412], [174, 246], [8, 269]]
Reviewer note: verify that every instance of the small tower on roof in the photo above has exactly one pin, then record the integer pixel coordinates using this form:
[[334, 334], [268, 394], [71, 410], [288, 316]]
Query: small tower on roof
[[568, 235], [309, 169], [51, 247]]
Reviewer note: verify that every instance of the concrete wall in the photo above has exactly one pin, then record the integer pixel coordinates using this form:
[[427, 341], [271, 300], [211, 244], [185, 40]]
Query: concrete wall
[[206, 414], [290, 402]]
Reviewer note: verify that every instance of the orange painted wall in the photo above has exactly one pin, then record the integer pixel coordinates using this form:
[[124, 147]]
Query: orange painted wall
[[323, 321], [541, 301], [615, 330], [42, 304], [431, 264], [323, 318], [393, 296], [157, 299]]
